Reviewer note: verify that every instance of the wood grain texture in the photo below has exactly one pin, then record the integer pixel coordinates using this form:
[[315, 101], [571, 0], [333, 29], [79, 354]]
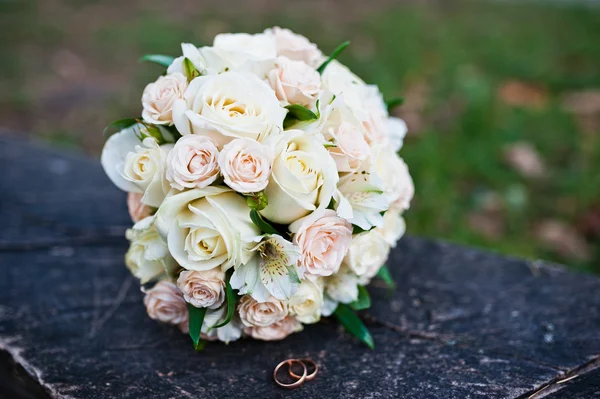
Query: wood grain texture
[[462, 322]]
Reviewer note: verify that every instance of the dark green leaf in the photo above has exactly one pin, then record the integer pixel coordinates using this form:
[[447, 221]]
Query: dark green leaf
[[164, 60], [353, 324], [190, 70], [363, 301], [298, 113], [121, 124], [384, 274], [333, 56], [231, 300], [195, 324], [262, 224], [393, 103]]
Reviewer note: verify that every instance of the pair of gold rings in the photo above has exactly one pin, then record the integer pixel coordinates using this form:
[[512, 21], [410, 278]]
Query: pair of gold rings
[[300, 379]]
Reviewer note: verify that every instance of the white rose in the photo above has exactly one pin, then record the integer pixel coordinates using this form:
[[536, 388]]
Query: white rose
[[228, 106], [397, 183], [238, 48], [396, 130], [323, 240], [295, 46], [367, 253], [338, 79], [304, 178], [145, 169], [393, 227], [192, 162], [114, 153], [165, 303], [275, 331], [203, 289], [148, 256], [158, 98], [295, 82], [342, 287], [206, 228], [246, 165], [307, 302], [261, 314]]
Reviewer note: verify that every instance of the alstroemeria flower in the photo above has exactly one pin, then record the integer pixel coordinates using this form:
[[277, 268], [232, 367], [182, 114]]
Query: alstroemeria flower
[[273, 270]]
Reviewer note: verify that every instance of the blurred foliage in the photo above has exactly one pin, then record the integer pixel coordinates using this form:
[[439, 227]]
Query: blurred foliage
[[477, 77]]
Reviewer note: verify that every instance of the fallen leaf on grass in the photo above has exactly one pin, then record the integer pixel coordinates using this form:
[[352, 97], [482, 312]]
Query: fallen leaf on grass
[[488, 224], [522, 94], [582, 102], [416, 97], [562, 239], [524, 158], [589, 223]]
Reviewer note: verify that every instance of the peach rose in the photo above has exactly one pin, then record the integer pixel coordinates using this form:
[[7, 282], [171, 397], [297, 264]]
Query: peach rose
[[203, 289], [323, 241], [192, 163], [165, 303], [351, 147], [295, 82], [295, 46], [246, 165], [137, 210], [256, 314], [158, 98], [275, 331]]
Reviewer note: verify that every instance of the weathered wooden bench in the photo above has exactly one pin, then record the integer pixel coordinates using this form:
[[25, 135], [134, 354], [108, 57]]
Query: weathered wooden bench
[[462, 323]]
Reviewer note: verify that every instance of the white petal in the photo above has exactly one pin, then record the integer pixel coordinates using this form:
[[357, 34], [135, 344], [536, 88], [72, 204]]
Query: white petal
[[113, 157]]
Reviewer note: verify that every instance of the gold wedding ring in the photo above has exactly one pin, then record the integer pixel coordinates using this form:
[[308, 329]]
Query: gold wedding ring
[[306, 361], [295, 384]]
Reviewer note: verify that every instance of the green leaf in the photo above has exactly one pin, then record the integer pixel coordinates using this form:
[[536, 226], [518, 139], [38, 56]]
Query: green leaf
[[353, 324], [384, 274], [190, 70], [363, 301], [393, 103], [262, 224], [196, 320], [121, 124], [333, 56], [164, 60], [298, 113], [257, 201], [231, 300]]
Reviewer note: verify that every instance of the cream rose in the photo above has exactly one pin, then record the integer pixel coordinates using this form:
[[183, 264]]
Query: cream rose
[[295, 82], [323, 240], [145, 168], [115, 150], [192, 162], [137, 210], [165, 303], [148, 256], [203, 289], [303, 179], [295, 46], [261, 314], [342, 287], [397, 183], [393, 227], [158, 98], [275, 331], [306, 303], [206, 228], [228, 106], [367, 253], [246, 165], [239, 48]]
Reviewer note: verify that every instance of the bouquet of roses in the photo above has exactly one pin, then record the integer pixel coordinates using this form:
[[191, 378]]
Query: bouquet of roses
[[265, 186]]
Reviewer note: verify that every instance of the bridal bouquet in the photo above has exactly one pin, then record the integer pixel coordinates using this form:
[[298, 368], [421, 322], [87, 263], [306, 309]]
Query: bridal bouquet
[[265, 186]]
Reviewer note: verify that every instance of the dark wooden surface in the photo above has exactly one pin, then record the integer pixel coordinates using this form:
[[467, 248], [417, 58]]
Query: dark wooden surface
[[462, 324]]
